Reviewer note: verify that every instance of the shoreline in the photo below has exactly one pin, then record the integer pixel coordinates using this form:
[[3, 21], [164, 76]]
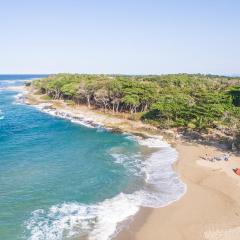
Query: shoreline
[[210, 209], [114, 122], [149, 223]]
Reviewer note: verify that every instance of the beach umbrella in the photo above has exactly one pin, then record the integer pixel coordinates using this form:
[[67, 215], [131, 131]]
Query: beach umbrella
[[237, 171]]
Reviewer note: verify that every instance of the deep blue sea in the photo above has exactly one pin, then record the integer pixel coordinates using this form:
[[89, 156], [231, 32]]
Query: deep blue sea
[[60, 180]]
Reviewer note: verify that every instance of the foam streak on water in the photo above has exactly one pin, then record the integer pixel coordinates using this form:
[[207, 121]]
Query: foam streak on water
[[97, 222], [46, 108], [1, 115]]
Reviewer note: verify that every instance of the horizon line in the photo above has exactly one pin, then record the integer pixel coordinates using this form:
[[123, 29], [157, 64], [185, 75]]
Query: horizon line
[[131, 74]]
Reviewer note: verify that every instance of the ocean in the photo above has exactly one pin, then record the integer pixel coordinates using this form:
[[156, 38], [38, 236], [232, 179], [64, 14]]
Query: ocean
[[61, 179]]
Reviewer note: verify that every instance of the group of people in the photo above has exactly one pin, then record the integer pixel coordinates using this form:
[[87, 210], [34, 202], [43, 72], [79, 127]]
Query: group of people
[[223, 157]]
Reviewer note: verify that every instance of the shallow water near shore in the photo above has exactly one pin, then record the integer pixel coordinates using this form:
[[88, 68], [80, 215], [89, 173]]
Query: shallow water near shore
[[63, 180]]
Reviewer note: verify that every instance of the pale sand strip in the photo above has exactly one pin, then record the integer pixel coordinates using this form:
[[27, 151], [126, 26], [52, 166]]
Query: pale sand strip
[[119, 121]]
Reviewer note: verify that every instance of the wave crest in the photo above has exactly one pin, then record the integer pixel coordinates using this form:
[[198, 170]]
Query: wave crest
[[73, 220]]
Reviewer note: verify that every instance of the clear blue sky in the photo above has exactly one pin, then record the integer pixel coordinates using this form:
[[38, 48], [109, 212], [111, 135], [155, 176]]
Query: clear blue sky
[[125, 36]]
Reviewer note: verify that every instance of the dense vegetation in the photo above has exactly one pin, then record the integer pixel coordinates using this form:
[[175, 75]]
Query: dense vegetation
[[196, 101]]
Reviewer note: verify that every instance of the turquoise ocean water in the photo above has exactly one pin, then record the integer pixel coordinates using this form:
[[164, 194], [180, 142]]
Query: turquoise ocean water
[[60, 180]]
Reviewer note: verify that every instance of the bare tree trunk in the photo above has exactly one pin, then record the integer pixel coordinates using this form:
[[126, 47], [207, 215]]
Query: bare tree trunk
[[117, 107], [88, 101]]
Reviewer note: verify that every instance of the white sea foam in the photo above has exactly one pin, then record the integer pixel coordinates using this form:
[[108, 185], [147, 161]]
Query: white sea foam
[[132, 163], [73, 220], [1, 115], [64, 114], [20, 97], [13, 82], [163, 186], [10, 82]]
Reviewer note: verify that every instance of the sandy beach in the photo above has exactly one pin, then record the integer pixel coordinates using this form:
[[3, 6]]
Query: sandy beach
[[210, 209]]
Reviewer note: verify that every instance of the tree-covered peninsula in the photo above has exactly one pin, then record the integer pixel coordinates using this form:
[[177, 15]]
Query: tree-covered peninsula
[[195, 102]]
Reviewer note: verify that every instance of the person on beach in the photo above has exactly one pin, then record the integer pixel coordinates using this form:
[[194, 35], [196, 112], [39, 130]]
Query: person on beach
[[226, 156], [206, 157]]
